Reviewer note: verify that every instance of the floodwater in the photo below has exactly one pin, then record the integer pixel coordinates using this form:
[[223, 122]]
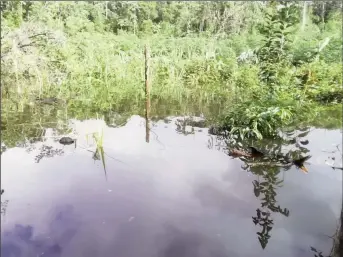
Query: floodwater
[[179, 195]]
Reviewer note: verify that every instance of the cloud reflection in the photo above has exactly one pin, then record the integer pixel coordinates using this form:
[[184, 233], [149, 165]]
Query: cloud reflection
[[21, 241]]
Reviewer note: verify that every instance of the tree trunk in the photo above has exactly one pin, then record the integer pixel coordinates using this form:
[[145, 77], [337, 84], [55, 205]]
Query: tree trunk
[[323, 12], [106, 3], [303, 24]]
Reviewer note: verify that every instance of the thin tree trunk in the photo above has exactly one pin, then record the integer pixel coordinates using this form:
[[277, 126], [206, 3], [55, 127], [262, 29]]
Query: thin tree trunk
[[303, 24], [106, 3], [201, 28], [323, 12]]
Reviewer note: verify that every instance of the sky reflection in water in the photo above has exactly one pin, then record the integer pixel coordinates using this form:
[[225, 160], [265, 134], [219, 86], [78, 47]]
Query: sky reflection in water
[[175, 196]]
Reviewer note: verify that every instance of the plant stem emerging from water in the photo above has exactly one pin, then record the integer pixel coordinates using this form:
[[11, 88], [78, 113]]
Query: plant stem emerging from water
[[147, 94]]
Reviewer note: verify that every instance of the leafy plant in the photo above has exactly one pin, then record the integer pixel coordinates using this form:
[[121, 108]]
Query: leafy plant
[[256, 121], [276, 44]]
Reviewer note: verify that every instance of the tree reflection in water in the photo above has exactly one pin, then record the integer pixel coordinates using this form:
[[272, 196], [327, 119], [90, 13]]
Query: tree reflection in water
[[268, 178], [266, 191], [47, 151], [3, 204]]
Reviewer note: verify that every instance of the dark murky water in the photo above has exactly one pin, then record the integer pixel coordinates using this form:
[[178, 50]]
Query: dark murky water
[[176, 196]]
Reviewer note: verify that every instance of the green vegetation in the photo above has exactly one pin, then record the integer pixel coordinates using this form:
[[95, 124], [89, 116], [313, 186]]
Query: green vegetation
[[100, 153], [252, 68], [267, 67]]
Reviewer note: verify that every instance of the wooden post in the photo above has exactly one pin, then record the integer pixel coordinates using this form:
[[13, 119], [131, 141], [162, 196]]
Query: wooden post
[[147, 94]]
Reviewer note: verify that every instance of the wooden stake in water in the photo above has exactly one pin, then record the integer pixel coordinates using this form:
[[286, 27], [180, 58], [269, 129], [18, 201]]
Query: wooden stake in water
[[147, 94]]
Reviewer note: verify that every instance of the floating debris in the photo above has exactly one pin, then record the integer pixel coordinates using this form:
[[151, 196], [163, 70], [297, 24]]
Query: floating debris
[[239, 153], [281, 161], [300, 163], [304, 142], [255, 152], [66, 141], [242, 153]]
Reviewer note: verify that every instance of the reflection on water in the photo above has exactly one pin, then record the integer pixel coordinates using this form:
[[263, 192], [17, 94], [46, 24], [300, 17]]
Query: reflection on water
[[47, 152], [266, 190], [179, 195], [21, 241], [3, 204]]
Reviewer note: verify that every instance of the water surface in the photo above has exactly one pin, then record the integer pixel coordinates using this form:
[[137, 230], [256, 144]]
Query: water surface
[[178, 195]]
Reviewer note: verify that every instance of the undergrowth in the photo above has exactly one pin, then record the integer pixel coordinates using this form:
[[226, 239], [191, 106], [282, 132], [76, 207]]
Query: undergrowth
[[254, 60]]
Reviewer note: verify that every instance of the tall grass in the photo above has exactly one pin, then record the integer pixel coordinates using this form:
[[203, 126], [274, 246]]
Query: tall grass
[[105, 70], [93, 68]]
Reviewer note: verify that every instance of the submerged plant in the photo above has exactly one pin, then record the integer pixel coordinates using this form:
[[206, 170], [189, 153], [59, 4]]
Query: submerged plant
[[99, 140]]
